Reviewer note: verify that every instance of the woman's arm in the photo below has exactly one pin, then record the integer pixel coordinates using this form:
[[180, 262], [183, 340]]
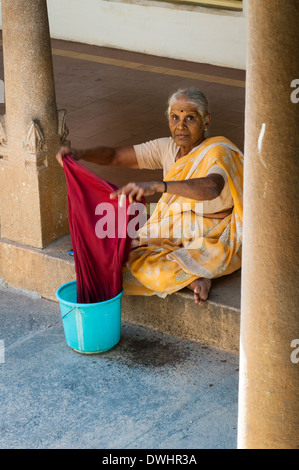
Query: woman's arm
[[108, 156], [200, 189]]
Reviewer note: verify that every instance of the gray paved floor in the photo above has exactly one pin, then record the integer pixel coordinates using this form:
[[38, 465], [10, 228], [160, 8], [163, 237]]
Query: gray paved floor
[[151, 391]]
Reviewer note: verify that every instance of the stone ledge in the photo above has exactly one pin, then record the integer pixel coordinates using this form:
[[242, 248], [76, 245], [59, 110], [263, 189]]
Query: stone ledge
[[216, 324], [33, 269], [213, 324]]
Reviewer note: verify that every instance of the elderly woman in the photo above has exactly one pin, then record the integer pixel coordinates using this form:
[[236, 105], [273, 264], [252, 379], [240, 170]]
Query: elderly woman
[[195, 232]]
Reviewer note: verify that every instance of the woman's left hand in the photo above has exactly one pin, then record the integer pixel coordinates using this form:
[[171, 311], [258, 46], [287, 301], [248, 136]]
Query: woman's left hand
[[136, 191]]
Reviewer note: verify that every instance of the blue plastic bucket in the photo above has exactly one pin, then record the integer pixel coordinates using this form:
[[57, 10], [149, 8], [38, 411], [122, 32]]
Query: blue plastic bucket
[[89, 328]]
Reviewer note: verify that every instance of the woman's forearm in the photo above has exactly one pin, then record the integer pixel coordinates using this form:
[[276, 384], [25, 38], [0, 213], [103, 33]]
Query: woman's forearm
[[100, 155], [109, 156], [200, 189]]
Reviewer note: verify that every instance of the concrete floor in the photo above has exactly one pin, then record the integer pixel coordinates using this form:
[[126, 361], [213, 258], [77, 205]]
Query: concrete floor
[[151, 391]]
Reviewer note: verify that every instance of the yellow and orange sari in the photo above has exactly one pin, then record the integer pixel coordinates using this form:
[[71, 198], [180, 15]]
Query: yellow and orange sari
[[177, 244]]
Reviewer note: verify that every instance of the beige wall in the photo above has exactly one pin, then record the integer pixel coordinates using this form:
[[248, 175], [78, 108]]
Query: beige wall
[[190, 33]]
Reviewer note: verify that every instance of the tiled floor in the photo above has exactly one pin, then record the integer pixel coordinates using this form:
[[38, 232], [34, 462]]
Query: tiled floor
[[124, 102], [114, 97]]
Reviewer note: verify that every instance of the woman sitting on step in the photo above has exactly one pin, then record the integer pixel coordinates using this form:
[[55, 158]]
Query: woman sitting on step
[[195, 231]]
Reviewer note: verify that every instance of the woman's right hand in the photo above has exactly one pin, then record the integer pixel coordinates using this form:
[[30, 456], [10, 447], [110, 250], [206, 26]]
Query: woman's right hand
[[63, 151]]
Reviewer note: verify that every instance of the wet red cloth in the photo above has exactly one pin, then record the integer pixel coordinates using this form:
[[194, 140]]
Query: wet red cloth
[[98, 261]]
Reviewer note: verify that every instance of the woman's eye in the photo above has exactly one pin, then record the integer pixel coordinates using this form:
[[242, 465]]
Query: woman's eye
[[190, 118], [174, 117]]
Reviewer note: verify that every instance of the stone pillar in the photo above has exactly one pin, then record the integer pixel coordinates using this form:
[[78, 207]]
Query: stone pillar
[[33, 189], [269, 373]]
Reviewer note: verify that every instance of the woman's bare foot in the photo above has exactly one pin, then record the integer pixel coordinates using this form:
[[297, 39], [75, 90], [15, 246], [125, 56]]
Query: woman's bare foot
[[201, 288]]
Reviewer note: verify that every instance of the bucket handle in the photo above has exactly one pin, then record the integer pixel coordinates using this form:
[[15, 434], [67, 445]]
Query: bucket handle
[[68, 312]]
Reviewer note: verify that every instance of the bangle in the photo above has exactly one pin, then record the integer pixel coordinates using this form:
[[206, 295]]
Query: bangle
[[165, 186]]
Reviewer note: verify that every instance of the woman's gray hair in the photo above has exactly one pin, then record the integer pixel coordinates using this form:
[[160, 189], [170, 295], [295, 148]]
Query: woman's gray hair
[[191, 95]]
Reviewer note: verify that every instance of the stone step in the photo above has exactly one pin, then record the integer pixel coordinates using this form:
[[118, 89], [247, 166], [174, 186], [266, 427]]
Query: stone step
[[215, 324]]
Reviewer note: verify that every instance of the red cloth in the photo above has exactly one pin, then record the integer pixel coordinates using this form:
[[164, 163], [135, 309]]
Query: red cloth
[[98, 261]]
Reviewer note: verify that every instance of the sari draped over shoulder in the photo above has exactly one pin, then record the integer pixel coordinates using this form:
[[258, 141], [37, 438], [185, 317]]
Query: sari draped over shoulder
[[178, 244]]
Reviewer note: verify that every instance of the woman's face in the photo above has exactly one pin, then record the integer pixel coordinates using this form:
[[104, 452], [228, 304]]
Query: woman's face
[[186, 125]]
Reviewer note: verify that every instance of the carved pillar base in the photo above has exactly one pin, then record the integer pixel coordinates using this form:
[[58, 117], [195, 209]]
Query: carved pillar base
[[33, 189]]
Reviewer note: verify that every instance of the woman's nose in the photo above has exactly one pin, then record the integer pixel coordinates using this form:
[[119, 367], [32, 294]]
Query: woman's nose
[[181, 123]]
